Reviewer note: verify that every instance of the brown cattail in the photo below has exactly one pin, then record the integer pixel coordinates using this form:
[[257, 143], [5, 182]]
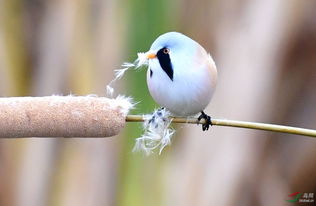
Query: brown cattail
[[62, 116]]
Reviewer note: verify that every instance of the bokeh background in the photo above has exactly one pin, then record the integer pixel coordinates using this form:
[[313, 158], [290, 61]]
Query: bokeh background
[[265, 52]]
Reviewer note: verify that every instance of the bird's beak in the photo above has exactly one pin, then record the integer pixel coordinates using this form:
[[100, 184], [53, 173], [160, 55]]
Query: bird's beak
[[150, 55]]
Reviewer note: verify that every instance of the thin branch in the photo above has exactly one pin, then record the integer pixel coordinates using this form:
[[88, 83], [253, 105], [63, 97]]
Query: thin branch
[[234, 123]]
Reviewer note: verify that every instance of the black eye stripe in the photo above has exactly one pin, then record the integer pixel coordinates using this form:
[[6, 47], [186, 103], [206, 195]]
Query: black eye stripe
[[165, 62]]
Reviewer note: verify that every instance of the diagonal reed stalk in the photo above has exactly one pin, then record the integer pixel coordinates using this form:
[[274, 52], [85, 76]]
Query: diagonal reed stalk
[[235, 123]]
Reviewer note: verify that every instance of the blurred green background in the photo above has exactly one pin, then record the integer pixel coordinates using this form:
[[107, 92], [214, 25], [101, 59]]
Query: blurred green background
[[265, 52]]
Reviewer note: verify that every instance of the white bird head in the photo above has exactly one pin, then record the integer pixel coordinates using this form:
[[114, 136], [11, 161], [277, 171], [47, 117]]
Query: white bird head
[[171, 50]]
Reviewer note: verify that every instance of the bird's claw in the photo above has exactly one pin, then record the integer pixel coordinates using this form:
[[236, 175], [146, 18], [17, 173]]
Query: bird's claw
[[158, 114], [208, 122]]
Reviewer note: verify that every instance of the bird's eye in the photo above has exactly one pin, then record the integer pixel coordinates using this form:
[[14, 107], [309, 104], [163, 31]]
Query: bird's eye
[[166, 51]]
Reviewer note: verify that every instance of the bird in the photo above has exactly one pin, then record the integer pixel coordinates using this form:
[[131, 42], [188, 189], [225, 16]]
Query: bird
[[181, 76]]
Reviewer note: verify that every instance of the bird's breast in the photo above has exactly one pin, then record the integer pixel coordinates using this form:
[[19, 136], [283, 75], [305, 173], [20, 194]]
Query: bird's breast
[[188, 93]]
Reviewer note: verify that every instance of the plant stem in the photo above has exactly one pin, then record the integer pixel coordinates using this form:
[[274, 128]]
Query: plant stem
[[235, 123]]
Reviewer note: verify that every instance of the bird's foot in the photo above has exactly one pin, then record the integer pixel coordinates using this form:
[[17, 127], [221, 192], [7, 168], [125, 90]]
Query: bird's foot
[[158, 114], [160, 111], [208, 122]]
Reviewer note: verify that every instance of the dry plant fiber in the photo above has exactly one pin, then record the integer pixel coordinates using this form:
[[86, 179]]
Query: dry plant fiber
[[62, 116]]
